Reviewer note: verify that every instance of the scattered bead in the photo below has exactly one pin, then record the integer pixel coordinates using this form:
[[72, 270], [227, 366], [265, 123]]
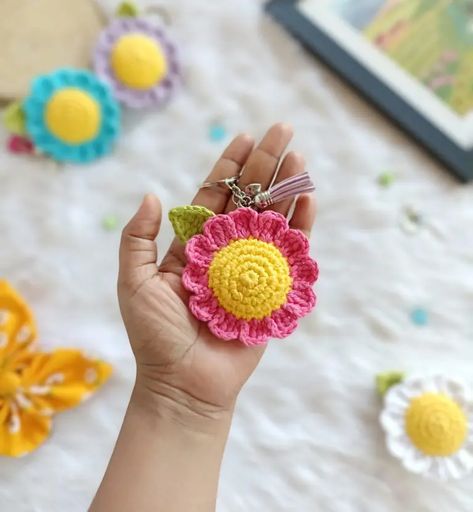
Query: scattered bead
[[411, 220], [419, 317], [217, 132], [386, 179], [109, 222]]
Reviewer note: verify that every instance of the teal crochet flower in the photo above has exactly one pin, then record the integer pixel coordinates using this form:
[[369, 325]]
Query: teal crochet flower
[[72, 116]]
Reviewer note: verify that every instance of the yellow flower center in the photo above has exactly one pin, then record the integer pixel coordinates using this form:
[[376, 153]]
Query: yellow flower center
[[73, 116], [138, 61], [436, 425], [9, 383], [250, 278]]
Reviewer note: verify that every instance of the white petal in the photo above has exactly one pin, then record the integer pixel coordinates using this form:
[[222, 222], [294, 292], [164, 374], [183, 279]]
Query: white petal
[[457, 391], [416, 461], [392, 422], [463, 462], [397, 398], [399, 446], [414, 386]]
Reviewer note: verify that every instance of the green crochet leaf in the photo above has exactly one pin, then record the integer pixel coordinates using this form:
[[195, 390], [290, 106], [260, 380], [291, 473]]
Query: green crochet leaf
[[127, 10], [14, 118], [188, 221], [385, 381]]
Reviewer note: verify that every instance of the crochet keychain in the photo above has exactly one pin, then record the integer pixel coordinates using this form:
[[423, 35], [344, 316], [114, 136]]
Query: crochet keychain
[[74, 114], [428, 422], [249, 274]]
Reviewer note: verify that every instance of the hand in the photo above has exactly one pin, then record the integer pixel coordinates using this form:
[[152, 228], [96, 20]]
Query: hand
[[178, 360]]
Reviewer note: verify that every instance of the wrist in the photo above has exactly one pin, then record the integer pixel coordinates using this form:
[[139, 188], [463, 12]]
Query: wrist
[[160, 401]]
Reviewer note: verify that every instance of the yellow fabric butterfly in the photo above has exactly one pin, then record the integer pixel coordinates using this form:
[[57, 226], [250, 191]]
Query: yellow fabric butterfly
[[35, 385]]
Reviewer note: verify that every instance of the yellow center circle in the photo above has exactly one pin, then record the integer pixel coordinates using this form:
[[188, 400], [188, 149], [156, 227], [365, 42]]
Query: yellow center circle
[[138, 61], [9, 383], [73, 116], [250, 278], [436, 425]]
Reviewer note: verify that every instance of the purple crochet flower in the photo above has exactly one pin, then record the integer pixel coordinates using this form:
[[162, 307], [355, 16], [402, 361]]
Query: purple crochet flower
[[139, 62]]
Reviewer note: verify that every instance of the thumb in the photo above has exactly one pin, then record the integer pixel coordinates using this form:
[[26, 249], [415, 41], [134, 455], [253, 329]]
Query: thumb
[[138, 251]]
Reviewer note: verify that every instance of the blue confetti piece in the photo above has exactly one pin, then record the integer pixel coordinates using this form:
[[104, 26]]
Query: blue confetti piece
[[217, 132], [419, 316]]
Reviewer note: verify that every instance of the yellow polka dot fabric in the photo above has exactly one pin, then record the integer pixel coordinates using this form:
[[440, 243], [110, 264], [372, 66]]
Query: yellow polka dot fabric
[[34, 385]]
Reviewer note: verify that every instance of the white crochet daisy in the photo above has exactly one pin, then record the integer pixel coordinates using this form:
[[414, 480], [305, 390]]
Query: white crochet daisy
[[429, 426]]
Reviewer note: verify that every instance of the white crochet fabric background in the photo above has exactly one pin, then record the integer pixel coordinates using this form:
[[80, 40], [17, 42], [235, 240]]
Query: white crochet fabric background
[[305, 435]]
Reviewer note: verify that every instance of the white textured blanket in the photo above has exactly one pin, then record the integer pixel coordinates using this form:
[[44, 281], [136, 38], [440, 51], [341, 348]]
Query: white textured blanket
[[305, 436]]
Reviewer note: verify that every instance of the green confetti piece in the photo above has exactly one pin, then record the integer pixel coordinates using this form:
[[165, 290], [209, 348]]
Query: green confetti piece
[[188, 221], [14, 118], [385, 381], [127, 10], [109, 222], [386, 179]]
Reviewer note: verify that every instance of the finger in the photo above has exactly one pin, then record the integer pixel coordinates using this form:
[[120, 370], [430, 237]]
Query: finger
[[229, 164], [304, 214], [293, 163], [138, 251], [264, 160]]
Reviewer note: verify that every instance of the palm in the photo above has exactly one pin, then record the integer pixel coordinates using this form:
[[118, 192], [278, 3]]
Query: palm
[[172, 347]]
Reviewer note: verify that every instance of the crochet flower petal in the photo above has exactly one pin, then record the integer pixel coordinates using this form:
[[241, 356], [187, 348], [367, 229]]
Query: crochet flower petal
[[220, 230], [199, 250], [256, 332], [194, 278], [63, 378], [271, 225], [204, 306], [246, 222], [301, 300], [17, 328], [23, 431], [294, 245], [284, 323], [225, 326], [305, 270]]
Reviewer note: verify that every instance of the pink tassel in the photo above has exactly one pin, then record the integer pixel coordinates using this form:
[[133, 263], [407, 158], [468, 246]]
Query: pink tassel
[[286, 189]]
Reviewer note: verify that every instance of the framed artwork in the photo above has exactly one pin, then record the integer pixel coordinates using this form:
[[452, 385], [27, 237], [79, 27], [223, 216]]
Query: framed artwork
[[412, 58]]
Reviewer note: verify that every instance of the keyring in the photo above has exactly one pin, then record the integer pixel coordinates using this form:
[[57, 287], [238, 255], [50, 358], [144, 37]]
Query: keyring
[[253, 196]]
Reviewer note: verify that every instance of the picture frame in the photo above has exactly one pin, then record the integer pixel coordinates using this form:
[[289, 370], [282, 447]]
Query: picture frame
[[439, 121]]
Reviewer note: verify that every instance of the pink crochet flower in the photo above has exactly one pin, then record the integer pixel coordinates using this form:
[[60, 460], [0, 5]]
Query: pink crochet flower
[[250, 276]]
